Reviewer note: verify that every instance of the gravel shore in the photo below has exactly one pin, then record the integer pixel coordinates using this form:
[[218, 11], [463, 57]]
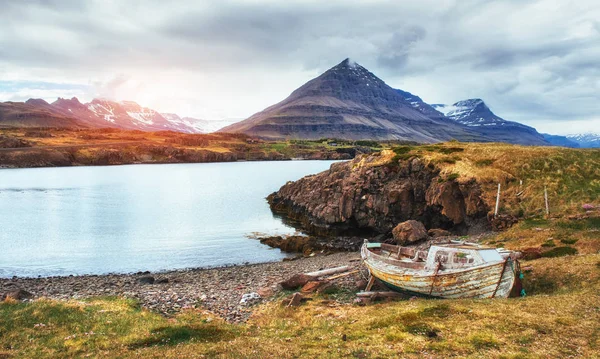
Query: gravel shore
[[218, 290]]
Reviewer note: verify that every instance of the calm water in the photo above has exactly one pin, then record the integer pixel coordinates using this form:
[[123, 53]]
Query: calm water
[[93, 220]]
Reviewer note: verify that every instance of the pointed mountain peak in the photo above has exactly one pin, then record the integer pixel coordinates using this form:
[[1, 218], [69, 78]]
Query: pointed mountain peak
[[472, 102], [350, 67]]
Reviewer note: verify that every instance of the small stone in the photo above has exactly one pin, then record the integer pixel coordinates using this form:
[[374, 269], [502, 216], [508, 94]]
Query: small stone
[[265, 292], [250, 298], [311, 286], [361, 284]]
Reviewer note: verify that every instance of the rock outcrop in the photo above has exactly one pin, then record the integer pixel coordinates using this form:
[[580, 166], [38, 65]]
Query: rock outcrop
[[373, 193]]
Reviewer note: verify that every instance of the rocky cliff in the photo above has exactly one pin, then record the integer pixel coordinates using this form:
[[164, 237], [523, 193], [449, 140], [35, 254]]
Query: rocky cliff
[[373, 193]]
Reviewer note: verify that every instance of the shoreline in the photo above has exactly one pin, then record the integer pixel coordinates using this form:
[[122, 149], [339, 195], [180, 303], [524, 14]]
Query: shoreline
[[218, 290]]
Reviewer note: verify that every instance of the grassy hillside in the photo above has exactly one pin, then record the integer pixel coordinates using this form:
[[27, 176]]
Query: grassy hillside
[[29, 147], [571, 176]]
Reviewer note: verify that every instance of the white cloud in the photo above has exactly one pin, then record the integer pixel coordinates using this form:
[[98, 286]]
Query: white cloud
[[532, 61]]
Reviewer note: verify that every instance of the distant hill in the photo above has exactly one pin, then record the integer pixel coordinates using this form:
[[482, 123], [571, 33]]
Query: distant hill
[[475, 114], [563, 141], [99, 113], [349, 102], [19, 114]]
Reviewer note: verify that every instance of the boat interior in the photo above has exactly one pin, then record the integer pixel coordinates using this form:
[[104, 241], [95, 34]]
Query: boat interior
[[453, 255]]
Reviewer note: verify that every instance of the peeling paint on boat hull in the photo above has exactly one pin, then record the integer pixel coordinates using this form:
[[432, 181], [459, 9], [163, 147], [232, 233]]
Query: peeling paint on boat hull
[[486, 281]]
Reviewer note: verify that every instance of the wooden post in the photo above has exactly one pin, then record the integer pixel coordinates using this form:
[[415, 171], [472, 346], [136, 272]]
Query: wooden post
[[497, 201], [546, 200], [370, 283]]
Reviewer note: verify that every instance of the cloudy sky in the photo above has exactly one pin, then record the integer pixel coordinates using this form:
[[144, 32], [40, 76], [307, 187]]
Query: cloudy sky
[[536, 62]]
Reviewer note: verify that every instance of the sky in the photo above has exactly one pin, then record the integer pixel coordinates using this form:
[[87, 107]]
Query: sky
[[535, 62]]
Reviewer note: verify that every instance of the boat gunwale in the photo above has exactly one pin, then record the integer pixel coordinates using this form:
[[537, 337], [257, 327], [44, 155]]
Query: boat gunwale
[[399, 269]]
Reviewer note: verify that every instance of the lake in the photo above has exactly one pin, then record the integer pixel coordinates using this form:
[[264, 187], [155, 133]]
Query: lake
[[120, 219]]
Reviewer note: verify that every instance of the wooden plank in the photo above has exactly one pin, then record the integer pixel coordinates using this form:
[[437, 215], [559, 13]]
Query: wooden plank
[[378, 294], [370, 283], [324, 272], [341, 275]]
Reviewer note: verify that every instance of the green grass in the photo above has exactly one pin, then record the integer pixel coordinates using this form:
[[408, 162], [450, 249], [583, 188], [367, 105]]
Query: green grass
[[558, 318], [559, 252]]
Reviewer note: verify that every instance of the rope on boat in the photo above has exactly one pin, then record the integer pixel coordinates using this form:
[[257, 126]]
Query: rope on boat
[[501, 276], [437, 268]]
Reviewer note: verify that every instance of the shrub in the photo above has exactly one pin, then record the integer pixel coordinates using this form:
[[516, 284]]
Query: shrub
[[452, 176], [559, 252]]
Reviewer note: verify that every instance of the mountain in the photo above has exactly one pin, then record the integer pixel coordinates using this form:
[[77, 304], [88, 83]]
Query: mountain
[[476, 115], [200, 126], [99, 113], [586, 140], [348, 101], [418, 104], [562, 141], [36, 114]]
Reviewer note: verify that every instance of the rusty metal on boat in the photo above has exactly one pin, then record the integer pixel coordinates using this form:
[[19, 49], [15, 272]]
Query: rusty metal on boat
[[450, 270]]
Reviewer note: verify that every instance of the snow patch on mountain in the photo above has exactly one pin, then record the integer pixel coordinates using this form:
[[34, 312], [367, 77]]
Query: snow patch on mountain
[[586, 140]]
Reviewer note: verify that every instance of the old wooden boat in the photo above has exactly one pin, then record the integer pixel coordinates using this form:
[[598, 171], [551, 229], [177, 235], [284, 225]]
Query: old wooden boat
[[450, 270]]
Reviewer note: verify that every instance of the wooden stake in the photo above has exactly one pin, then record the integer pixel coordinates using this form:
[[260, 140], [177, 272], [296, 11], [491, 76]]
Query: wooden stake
[[370, 283], [341, 275], [497, 201], [546, 200]]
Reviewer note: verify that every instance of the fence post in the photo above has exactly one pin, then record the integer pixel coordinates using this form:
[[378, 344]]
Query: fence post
[[497, 201], [546, 200]]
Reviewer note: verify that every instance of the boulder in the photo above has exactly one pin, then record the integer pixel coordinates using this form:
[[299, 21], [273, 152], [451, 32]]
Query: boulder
[[296, 281], [437, 232], [409, 232]]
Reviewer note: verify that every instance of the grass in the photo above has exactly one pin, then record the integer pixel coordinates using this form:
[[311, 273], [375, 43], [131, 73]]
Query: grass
[[559, 320], [571, 176]]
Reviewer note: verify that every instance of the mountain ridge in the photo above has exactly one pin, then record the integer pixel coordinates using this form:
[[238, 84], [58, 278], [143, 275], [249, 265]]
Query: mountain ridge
[[348, 101], [98, 113]]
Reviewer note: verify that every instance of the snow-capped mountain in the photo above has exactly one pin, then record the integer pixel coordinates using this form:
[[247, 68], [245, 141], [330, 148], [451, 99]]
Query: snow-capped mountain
[[475, 114], [348, 101], [130, 115], [558, 140], [418, 104], [586, 140], [472, 113], [200, 126], [100, 113]]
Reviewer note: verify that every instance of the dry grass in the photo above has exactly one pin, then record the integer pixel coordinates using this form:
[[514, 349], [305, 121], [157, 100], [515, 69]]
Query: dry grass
[[559, 318], [572, 176]]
